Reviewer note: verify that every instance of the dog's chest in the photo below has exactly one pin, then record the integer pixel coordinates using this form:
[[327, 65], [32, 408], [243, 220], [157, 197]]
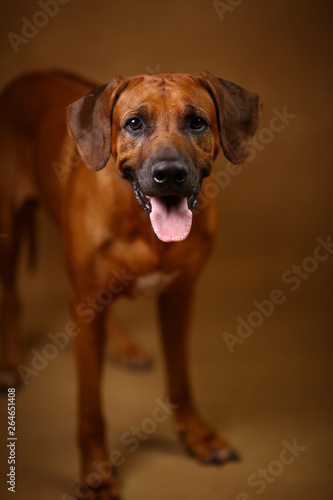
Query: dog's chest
[[152, 284]]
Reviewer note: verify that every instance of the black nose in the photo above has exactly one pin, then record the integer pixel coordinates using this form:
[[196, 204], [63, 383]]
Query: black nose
[[170, 174]]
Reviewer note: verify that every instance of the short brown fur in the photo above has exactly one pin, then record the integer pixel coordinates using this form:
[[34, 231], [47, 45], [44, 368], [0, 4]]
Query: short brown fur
[[105, 231]]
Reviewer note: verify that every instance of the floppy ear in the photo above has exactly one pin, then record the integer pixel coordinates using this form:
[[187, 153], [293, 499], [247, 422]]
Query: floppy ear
[[89, 123], [238, 113]]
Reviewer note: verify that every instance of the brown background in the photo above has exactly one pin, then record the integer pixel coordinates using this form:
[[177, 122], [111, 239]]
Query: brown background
[[277, 385]]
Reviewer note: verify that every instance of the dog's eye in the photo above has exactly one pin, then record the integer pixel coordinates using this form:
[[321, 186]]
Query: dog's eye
[[134, 123], [197, 123]]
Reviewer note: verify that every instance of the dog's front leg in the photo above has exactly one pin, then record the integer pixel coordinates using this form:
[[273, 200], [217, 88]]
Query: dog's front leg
[[97, 477], [199, 438]]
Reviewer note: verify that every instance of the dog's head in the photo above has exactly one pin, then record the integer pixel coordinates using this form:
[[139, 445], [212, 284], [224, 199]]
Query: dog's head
[[164, 131]]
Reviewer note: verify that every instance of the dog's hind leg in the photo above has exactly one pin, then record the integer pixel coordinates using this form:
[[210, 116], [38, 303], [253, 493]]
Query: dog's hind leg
[[10, 238], [14, 225], [16, 222]]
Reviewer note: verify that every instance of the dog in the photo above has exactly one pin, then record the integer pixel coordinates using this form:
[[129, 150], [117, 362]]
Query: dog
[[135, 153]]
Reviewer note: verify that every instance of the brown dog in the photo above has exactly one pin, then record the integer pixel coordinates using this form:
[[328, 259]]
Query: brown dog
[[126, 227]]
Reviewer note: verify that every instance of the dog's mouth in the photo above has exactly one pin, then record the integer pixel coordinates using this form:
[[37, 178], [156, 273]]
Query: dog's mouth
[[170, 216]]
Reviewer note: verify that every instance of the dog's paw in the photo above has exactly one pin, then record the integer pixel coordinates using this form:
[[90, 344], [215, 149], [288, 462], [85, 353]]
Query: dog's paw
[[9, 378], [205, 444]]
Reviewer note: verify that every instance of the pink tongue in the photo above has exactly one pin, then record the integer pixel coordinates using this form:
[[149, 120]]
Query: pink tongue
[[170, 223]]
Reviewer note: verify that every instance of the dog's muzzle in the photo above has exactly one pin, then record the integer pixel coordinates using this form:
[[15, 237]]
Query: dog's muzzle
[[168, 191]]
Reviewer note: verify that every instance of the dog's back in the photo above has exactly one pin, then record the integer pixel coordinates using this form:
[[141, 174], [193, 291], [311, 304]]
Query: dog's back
[[32, 115]]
